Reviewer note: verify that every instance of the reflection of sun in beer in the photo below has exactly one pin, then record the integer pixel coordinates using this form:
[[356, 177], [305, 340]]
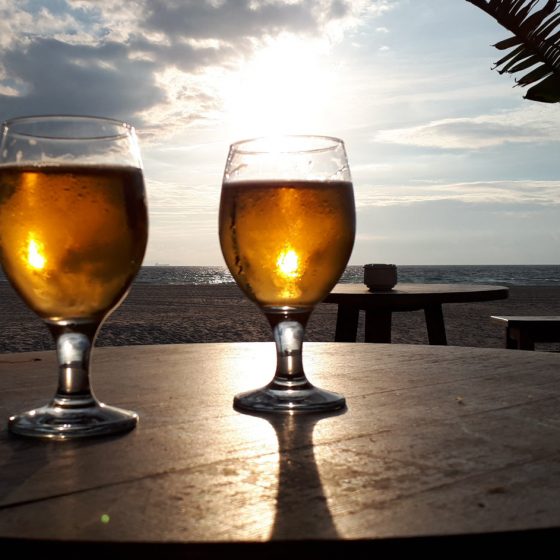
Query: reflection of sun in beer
[[35, 254], [288, 270], [287, 264]]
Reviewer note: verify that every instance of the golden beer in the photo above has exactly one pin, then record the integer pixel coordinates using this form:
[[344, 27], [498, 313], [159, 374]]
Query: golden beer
[[287, 242], [72, 238]]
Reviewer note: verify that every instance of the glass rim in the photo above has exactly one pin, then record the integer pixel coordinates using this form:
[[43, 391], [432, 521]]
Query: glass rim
[[8, 124], [330, 141]]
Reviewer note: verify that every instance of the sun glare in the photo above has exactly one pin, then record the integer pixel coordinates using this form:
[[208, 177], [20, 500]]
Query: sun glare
[[35, 254], [281, 89], [287, 264], [288, 270]]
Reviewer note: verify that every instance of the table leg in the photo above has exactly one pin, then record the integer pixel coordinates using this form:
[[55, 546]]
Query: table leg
[[346, 323], [435, 324], [519, 339], [378, 325]]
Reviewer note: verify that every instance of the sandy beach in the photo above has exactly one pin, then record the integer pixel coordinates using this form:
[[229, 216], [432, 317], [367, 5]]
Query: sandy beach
[[170, 314]]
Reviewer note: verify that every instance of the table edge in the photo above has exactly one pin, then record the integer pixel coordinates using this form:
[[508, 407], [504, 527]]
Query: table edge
[[395, 298]]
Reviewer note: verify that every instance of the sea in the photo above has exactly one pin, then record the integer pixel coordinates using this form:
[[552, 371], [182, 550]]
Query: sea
[[504, 275]]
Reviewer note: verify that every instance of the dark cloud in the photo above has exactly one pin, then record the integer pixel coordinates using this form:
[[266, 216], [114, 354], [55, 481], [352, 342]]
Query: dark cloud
[[74, 79], [181, 55], [231, 19]]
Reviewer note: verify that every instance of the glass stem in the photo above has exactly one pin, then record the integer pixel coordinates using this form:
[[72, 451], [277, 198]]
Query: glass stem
[[73, 349], [288, 331]]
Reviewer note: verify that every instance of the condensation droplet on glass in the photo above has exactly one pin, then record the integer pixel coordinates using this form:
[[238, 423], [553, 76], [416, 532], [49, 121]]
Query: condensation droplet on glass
[[19, 155]]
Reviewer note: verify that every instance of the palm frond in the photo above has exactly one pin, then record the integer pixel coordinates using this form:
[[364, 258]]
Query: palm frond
[[535, 44]]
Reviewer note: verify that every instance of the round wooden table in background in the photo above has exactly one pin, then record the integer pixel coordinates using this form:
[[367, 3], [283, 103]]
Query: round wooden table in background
[[380, 305]]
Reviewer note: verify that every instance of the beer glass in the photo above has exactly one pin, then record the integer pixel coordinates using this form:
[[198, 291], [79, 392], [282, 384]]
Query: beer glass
[[73, 231], [287, 226]]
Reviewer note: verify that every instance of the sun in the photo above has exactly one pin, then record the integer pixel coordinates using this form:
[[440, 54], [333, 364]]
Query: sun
[[282, 89]]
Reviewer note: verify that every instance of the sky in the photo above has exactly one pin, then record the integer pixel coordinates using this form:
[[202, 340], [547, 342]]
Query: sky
[[450, 164]]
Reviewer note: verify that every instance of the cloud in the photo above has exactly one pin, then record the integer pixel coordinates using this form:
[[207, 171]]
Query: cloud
[[178, 199], [534, 193], [140, 60], [525, 125], [58, 77], [230, 21]]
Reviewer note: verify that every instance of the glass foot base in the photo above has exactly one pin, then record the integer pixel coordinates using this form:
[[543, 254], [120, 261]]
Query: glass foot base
[[55, 422], [287, 401]]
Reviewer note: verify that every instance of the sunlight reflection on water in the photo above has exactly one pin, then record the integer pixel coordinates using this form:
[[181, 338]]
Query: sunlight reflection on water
[[520, 275]]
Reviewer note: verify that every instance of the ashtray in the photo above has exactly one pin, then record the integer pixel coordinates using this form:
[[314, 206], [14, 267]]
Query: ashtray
[[380, 276]]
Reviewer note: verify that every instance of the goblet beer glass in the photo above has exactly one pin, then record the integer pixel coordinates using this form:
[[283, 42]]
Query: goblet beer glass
[[73, 231], [287, 227]]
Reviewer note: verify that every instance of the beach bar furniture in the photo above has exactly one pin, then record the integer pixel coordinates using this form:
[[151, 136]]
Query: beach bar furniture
[[522, 332], [463, 458], [380, 305]]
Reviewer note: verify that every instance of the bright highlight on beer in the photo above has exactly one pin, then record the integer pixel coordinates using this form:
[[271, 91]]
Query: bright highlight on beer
[[35, 254], [287, 264], [289, 272]]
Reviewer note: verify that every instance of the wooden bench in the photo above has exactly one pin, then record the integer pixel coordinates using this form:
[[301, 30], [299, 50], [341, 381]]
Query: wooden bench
[[521, 332]]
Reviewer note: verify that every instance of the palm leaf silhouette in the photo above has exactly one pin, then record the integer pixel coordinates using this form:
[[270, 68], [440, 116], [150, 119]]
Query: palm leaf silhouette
[[534, 46]]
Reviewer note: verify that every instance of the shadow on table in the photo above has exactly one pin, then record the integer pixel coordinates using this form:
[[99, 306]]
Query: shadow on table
[[298, 475]]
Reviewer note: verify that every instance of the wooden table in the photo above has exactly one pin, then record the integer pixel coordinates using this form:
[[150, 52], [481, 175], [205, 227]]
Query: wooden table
[[437, 444], [380, 305]]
